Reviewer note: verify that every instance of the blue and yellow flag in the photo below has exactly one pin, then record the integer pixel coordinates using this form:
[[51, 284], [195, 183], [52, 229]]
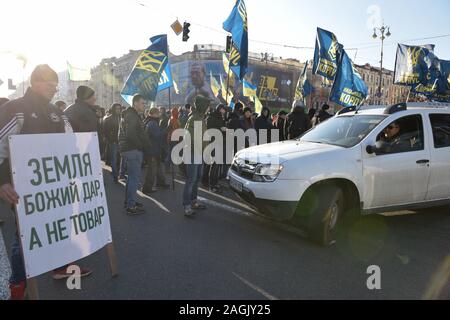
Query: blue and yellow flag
[[249, 90], [166, 80], [411, 67], [146, 74], [437, 87], [237, 25], [304, 88], [349, 89], [326, 54]]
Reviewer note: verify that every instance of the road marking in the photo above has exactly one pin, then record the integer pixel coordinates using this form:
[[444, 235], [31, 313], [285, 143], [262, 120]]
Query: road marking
[[159, 204], [222, 197], [256, 288]]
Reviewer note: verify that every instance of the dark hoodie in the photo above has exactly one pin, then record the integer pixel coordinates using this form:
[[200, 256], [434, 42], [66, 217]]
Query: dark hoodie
[[264, 122], [296, 123]]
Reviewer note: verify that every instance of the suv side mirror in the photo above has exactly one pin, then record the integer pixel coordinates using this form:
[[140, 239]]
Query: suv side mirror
[[379, 148]]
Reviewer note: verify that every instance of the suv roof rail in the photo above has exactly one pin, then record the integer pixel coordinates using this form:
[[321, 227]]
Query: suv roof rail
[[444, 105], [396, 108], [346, 110]]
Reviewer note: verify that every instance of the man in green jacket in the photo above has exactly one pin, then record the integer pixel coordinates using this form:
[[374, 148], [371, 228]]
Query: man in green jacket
[[194, 167]]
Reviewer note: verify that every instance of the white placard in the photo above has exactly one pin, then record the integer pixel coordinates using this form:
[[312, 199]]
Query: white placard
[[62, 211]]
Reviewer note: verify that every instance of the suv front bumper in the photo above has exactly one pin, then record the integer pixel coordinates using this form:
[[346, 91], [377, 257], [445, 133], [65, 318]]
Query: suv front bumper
[[277, 200]]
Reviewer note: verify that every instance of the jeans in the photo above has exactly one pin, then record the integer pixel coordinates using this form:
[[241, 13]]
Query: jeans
[[155, 174], [193, 178], [17, 264], [113, 155], [214, 174], [123, 167], [133, 161]]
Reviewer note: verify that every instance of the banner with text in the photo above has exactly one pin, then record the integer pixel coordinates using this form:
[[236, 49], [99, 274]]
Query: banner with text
[[62, 211]]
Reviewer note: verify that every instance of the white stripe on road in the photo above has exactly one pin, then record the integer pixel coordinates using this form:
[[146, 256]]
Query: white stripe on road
[[159, 204], [222, 197], [256, 288]]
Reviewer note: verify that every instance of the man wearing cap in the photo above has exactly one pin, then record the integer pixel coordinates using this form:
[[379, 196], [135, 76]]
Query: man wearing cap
[[31, 114], [194, 165], [83, 113]]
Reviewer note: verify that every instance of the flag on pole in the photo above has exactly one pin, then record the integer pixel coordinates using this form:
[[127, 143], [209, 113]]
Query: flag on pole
[[228, 71], [165, 81], [349, 88], [326, 54], [224, 91], [258, 104], [78, 74], [249, 90], [175, 87], [304, 88], [215, 87], [411, 67], [237, 25], [144, 79]]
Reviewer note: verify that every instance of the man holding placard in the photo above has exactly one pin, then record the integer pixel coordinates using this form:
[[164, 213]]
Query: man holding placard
[[31, 114]]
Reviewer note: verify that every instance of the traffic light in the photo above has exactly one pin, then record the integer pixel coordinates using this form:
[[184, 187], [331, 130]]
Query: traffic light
[[186, 31], [229, 43]]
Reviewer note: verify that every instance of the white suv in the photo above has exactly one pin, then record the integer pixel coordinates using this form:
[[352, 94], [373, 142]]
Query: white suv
[[372, 160]]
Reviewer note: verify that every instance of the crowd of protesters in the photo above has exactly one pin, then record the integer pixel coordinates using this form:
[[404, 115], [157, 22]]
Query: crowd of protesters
[[136, 142]]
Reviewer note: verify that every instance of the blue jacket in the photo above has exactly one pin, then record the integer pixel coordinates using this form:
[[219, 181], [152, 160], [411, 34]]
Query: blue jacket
[[155, 135]]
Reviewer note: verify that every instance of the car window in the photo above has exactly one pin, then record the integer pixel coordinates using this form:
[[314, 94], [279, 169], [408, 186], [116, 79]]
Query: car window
[[402, 135], [440, 123], [343, 131]]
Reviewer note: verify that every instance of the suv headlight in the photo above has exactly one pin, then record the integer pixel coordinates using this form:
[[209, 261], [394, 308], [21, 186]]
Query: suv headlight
[[267, 172]]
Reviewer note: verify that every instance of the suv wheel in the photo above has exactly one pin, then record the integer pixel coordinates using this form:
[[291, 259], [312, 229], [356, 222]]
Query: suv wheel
[[326, 216]]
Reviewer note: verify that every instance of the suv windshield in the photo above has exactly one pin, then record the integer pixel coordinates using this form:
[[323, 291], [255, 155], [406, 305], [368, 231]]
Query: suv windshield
[[343, 131]]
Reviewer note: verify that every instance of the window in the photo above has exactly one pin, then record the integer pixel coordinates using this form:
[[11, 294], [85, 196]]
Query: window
[[402, 135], [344, 131], [440, 124]]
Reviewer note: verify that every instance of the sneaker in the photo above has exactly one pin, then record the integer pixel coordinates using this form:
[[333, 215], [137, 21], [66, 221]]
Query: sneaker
[[188, 212], [63, 274], [198, 206], [18, 291], [139, 205], [149, 191], [134, 211], [215, 190]]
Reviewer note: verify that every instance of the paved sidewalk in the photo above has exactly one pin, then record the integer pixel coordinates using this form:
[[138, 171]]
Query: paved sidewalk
[[5, 270]]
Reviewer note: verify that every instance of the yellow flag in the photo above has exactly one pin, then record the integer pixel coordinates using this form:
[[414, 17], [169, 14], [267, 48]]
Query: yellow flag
[[226, 66], [224, 90], [214, 85], [258, 105]]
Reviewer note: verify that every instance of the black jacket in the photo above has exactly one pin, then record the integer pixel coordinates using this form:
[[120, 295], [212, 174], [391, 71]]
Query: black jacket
[[215, 120], [131, 132], [280, 127], [296, 123], [111, 129], [234, 121], [31, 114], [324, 116], [82, 117], [264, 123]]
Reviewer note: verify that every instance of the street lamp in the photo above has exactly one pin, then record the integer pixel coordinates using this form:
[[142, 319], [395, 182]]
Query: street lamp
[[385, 32]]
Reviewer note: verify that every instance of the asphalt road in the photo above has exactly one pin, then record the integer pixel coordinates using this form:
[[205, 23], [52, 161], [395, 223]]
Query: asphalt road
[[226, 252]]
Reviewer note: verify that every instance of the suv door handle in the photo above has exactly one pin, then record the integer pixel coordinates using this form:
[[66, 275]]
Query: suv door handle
[[422, 161]]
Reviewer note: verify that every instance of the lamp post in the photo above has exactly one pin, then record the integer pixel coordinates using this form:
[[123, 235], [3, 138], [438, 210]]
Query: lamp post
[[384, 33]]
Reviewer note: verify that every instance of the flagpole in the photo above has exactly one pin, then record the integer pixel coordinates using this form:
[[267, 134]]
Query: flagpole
[[171, 163], [228, 81]]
